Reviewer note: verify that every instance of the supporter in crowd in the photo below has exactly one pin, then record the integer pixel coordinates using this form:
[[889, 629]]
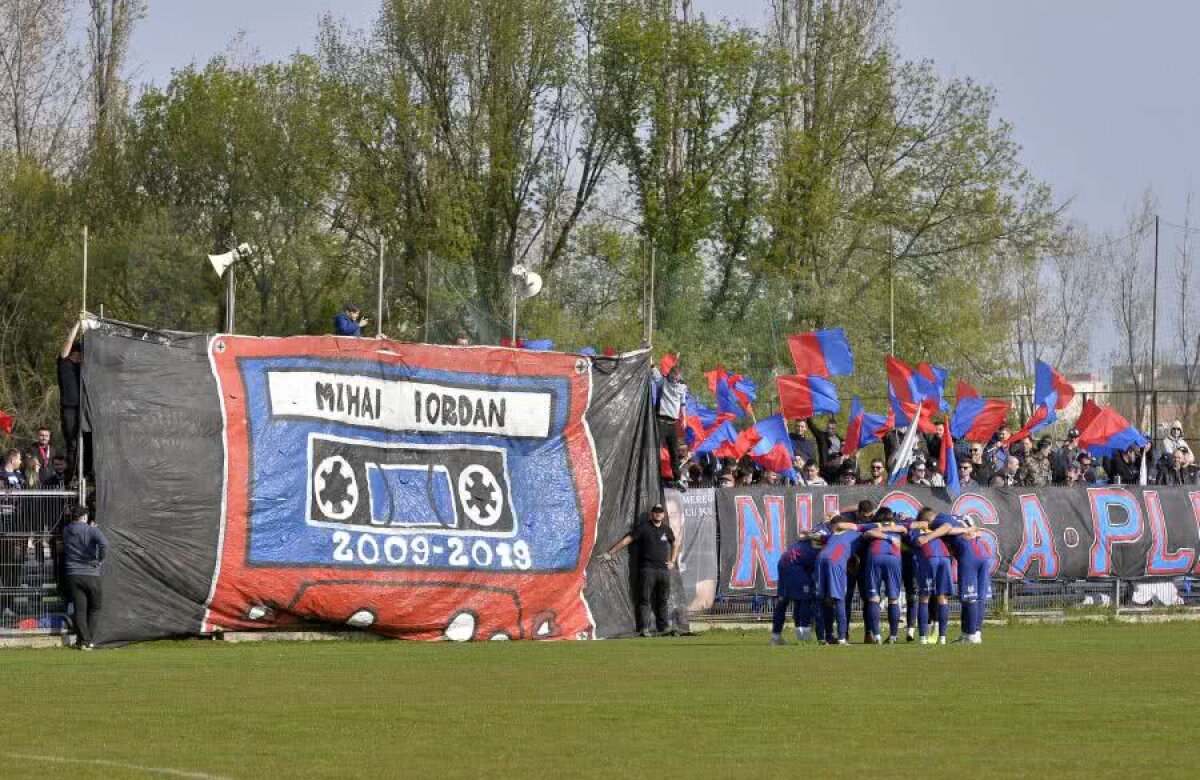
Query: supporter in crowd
[[1126, 468], [744, 476], [1073, 477], [59, 477], [891, 445], [1177, 472], [770, 478], [1173, 441], [84, 547], [798, 462], [70, 363], [827, 442], [1010, 475], [965, 479], [831, 471], [1037, 472], [725, 479], [657, 553], [878, 475], [1065, 455], [981, 470], [30, 469], [1089, 472], [802, 446], [11, 475], [996, 481], [349, 321], [44, 453], [849, 476], [812, 475], [918, 474], [671, 403]]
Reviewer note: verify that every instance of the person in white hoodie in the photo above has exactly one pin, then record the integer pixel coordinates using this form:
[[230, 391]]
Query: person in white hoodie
[[1174, 440]]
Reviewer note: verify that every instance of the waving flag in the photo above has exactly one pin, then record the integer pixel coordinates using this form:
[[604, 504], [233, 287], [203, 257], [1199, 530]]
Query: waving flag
[[801, 397], [769, 445], [822, 353], [1051, 394], [907, 390], [6, 423], [949, 463], [931, 381], [700, 421], [722, 441], [862, 429], [1102, 431], [904, 456], [735, 393], [667, 362], [976, 419]]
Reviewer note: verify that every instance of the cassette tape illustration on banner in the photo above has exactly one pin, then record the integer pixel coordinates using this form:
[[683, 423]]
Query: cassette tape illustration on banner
[[414, 490]]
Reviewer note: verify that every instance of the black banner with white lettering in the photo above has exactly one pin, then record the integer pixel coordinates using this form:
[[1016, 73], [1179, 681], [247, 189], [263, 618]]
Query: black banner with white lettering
[[1050, 533], [418, 491]]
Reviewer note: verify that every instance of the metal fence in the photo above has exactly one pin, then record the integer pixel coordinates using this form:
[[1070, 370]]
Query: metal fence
[[1016, 598], [30, 553]]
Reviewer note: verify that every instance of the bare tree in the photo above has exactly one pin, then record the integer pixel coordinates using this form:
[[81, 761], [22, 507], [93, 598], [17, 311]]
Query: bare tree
[[40, 79], [109, 30], [1187, 318], [1132, 299]]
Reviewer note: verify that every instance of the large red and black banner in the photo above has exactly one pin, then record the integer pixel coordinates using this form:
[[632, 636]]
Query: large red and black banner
[[1052, 533], [418, 491]]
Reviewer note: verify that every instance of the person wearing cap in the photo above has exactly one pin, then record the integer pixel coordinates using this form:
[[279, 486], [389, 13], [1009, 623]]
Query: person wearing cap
[[1089, 471], [1037, 472], [1065, 455], [349, 321], [84, 548], [657, 553], [1174, 440], [1125, 468]]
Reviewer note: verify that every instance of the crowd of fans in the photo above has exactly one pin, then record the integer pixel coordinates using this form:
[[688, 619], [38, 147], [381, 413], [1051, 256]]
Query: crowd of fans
[[819, 461]]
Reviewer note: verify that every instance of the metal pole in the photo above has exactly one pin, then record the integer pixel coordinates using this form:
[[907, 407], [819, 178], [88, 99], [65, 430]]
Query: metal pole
[[229, 298], [379, 298], [514, 309], [80, 479], [650, 334], [428, 272], [1154, 344], [892, 302], [645, 286]]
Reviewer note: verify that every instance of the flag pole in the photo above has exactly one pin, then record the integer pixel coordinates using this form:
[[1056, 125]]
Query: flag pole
[[1154, 344], [379, 297]]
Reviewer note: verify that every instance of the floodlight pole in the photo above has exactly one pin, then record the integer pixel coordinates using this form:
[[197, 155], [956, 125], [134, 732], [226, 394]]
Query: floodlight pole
[[379, 298], [1154, 344]]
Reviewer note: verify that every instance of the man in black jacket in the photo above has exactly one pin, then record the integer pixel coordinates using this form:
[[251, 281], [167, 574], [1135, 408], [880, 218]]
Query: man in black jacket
[[1177, 472], [657, 552]]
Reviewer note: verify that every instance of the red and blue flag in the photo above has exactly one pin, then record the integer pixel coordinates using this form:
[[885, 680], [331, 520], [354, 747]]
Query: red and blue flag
[[721, 441], [1102, 431], [907, 391], [863, 428], [949, 463], [931, 381], [822, 353], [801, 397], [976, 419], [1051, 394], [700, 421], [768, 444], [735, 393]]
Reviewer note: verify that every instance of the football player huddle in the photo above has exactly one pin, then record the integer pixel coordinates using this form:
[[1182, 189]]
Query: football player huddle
[[882, 553]]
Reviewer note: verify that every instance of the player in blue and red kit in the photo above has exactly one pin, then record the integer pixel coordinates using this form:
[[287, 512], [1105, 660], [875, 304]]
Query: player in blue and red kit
[[882, 573], [797, 585], [974, 559], [934, 578], [832, 578]]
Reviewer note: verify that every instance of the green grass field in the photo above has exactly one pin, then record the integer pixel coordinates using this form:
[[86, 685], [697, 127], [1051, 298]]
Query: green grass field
[[1062, 701]]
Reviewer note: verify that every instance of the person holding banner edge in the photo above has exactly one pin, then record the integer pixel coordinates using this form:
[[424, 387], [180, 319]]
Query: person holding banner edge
[[658, 552]]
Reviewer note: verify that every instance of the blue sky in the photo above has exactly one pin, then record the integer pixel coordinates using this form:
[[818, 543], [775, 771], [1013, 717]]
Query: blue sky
[[1102, 94]]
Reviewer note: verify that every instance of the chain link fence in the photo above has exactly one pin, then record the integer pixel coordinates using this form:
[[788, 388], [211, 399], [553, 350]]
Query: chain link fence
[[30, 561]]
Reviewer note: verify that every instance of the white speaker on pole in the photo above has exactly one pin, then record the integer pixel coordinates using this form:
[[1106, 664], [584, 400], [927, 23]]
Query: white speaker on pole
[[526, 284], [221, 263]]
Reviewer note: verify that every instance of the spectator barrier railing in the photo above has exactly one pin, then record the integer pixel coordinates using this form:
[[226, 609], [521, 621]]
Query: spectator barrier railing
[[30, 554]]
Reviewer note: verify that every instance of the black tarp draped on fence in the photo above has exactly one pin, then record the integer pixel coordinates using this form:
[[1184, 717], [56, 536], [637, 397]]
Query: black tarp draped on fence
[[414, 490]]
